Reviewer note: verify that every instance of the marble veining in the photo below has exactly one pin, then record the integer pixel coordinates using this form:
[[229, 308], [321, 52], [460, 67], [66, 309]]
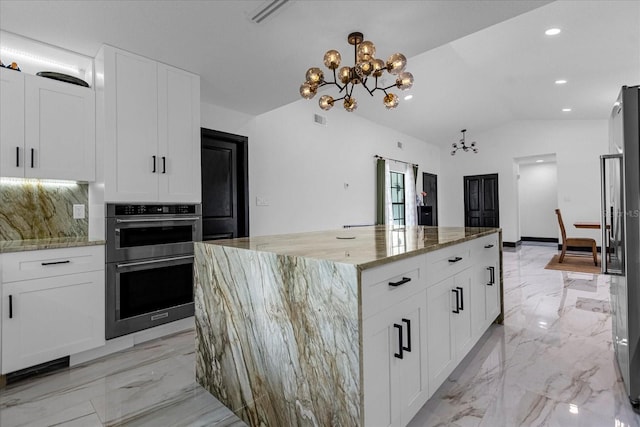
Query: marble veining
[[365, 247], [7, 246], [287, 327], [32, 209], [499, 384]]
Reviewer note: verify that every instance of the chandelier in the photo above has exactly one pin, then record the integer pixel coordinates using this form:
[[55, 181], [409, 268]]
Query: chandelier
[[365, 71], [463, 146]]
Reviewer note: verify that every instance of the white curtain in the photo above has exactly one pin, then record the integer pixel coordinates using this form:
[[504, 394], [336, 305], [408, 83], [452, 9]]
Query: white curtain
[[388, 206], [410, 214]]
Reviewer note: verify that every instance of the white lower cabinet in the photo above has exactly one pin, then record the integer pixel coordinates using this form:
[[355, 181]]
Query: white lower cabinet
[[449, 308], [54, 314], [395, 364], [421, 316]]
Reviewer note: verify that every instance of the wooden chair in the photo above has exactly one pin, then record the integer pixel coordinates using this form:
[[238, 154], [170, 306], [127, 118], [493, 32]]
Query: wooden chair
[[583, 242]]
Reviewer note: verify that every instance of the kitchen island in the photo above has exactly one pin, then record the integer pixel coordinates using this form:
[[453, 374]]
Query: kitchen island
[[353, 327]]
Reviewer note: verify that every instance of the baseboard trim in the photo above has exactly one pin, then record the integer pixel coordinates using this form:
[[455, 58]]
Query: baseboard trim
[[540, 239], [512, 244]]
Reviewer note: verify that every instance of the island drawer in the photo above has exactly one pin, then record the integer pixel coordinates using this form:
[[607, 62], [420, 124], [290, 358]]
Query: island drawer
[[448, 261], [37, 264], [388, 284], [486, 247]]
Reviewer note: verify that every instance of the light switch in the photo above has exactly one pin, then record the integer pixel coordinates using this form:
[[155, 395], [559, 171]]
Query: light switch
[[78, 211]]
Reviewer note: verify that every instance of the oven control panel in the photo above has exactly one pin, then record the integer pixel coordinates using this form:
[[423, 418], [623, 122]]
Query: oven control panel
[[156, 210]]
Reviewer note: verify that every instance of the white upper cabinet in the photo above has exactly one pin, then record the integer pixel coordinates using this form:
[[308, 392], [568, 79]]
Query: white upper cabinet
[[11, 123], [151, 116], [59, 130], [48, 128]]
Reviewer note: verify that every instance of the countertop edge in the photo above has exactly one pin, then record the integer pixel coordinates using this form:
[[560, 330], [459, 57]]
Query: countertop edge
[[421, 251], [10, 246], [378, 262]]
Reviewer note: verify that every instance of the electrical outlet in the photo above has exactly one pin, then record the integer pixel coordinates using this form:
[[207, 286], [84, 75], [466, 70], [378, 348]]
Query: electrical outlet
[[262, 201], [78, 211]]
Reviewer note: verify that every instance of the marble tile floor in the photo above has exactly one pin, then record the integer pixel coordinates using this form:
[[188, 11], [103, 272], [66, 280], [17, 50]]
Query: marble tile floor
[[551, 364]]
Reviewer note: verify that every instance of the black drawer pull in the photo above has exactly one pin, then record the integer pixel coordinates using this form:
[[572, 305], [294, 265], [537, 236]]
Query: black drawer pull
[[461, 297], [457, 310], [164, 164], [154, 164], [399, 328], [408, 347], [10, 306], [32, 154], [55, 262], [400, 282], [456, 259], [17, 157], [488, 246], [492, 280]]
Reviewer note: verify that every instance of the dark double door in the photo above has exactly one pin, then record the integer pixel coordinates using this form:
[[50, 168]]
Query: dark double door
[[225, 194], [481, 205]]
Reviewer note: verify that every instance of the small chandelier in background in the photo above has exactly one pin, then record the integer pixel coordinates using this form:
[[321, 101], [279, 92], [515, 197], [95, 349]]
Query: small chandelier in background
[[365, 68], [462, 145]]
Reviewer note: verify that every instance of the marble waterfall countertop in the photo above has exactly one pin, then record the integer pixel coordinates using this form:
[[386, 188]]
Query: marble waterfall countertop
[[278, 319], [365, 247], [7, 246]]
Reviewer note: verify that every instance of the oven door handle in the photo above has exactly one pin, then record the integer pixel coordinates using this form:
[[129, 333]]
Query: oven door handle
[[154, 261], [120, 221]]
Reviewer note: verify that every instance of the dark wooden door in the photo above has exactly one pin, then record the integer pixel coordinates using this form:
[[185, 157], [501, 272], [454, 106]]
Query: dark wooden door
[[225, 197], [481, 207], [430, 186]]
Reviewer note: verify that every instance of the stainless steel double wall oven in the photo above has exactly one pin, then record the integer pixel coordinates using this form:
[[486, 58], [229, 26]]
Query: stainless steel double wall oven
[[149, 264]]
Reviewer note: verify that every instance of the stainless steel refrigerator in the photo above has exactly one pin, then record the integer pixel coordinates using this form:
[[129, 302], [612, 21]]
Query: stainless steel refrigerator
[[620, 174]]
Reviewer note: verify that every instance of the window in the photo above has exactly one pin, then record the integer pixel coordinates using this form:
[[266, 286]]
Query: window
[[397, 197]]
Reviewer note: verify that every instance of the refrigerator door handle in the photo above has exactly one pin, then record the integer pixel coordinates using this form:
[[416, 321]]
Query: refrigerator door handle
[[607, 227]]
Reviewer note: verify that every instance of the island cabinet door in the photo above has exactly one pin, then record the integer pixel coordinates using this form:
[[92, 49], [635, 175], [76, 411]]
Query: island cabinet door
[[441, 303], [395, 364]]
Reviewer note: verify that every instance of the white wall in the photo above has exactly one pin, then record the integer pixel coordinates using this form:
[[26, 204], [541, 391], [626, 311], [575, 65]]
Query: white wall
[[577, 145], [222, 119], [538, 190], [301, 168]]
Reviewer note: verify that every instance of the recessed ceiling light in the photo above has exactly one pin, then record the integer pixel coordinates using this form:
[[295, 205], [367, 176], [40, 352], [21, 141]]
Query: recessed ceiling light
[[408, 97], [553, 31], [539, 161], [566, 110], [561, 82]]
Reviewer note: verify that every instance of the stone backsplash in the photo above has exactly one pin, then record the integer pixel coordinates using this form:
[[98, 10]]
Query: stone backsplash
[[33, 209]]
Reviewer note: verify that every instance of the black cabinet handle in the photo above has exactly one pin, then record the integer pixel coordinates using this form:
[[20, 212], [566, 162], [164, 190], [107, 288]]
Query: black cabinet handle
[[461, 297], [154, 164], [32, 154], [456, 259], [164, 164], [399, 328], [488, 246], [408, 323], [492, 279], [17, 157], [457, 310], [400, 282], [55, 262], [10, 306]]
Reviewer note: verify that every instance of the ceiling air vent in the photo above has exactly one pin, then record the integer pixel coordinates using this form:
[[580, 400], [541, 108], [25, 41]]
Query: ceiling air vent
[[266, 9], [319, 120]]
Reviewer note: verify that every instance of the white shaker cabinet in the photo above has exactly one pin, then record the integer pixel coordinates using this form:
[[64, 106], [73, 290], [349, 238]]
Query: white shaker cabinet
[[53, 304], [449, 308], [48, 128], [149, 115], [395, 364], [11, 123]]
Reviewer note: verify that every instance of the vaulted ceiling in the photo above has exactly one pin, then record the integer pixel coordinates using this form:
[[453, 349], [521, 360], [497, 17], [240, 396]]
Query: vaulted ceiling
[[476, 64]]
